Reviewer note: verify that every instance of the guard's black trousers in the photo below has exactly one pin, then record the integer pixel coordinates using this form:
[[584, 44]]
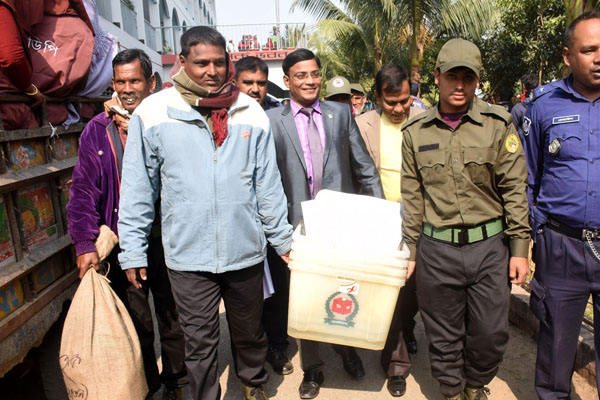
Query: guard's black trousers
[[136, 301], [464, 295], [197, 295]]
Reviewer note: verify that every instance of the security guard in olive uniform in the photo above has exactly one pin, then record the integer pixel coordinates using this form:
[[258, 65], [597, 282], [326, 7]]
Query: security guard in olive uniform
[[465, 223]]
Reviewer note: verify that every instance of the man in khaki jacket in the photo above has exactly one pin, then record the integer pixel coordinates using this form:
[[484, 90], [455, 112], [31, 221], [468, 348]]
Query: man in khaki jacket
[[465, 221], [392, 90], [382, 133]]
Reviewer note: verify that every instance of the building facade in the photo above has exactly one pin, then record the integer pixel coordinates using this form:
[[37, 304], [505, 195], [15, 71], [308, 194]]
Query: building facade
[[154, 26]]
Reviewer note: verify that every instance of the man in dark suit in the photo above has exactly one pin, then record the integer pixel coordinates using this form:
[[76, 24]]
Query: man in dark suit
[[318, 146]]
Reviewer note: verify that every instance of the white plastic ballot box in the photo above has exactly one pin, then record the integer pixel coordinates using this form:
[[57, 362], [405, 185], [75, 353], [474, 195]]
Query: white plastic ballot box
[[346, 270]]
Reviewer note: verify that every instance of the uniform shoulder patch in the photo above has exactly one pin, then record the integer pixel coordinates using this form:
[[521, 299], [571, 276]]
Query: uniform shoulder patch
[[512, 143]]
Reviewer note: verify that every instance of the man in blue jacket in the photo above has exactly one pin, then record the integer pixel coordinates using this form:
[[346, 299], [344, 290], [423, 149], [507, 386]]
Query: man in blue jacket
[[206, 149], [94, 202], [563, 148]]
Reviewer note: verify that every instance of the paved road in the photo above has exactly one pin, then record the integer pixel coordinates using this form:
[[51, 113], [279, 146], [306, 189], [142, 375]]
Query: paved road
[[514, 380]]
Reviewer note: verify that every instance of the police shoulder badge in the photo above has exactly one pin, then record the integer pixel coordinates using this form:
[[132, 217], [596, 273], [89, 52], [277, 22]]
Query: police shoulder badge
[[526, 125], [512, 143]]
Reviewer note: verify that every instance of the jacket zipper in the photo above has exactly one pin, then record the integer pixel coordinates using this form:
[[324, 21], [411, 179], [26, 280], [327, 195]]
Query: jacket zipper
[[215, 186], [216, 201]]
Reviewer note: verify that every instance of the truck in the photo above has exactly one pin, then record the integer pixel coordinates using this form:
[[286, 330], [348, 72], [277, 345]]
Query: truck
[[38, 276]]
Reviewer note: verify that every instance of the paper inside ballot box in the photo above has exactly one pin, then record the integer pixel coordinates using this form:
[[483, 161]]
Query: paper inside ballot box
[[354, 222]]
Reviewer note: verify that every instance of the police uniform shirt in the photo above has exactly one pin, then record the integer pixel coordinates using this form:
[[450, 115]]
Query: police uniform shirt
[[561, 142], [464, 176]]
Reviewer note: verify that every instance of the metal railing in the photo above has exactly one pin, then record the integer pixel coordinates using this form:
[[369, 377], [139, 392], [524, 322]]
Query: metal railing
[[265, 36], [129, 20], [150, 36], [257, 36]]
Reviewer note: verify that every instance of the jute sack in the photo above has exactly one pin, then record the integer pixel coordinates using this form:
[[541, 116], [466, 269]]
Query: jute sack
[[106, 242], [100, 354]]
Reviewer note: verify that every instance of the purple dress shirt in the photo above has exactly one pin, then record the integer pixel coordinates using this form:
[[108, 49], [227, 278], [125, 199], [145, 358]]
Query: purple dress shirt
[[302, 128]]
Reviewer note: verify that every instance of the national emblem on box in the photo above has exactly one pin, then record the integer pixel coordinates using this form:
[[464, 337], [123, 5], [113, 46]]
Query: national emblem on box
[[341, 309]]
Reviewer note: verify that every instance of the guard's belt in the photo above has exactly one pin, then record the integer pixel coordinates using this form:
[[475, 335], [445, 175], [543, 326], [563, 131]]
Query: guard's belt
[[462, 235], [576, 233]]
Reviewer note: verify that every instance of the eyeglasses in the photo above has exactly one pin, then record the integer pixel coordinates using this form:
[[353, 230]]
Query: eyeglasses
[[303, 75]]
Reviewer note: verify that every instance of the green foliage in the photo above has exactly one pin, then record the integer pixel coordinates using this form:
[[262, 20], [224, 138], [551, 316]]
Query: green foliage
[[429, 90], [350, 43], [354, 38], [293, 36], [529, 39], [575, 8], [366, 34]]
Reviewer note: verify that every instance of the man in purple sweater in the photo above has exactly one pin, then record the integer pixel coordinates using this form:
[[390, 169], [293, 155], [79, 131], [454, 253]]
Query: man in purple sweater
[[94, 202]]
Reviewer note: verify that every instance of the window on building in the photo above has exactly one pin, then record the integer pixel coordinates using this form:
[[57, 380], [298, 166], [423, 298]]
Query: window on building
[[176, 31], [146, 6]]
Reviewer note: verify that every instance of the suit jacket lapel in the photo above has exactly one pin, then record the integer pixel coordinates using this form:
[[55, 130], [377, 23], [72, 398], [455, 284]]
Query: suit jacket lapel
[[289, 125], [372, 135], [377, 137], [329, 125]]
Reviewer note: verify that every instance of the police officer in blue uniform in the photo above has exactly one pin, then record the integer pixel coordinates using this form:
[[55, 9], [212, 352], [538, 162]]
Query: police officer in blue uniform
[[562, 145]]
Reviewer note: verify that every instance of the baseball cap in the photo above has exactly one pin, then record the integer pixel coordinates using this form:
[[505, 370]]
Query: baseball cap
[[357, 87], [459, 53], [337, 85]]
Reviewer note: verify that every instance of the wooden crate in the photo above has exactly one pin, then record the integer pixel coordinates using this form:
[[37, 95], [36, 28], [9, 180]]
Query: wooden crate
[[64, 147], [7, 250], [37, 263], [64, 191], [24, 154], [47, 273], [11, 298], [37, 214]]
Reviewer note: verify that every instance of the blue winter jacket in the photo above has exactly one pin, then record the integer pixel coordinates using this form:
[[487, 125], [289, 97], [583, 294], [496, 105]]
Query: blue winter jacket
[[217, 204]]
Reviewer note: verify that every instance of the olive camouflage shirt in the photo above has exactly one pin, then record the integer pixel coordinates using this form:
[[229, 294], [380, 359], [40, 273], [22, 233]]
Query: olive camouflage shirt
[[464, 176]]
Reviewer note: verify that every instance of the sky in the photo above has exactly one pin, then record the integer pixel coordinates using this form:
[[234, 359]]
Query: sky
[[239, 12]]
